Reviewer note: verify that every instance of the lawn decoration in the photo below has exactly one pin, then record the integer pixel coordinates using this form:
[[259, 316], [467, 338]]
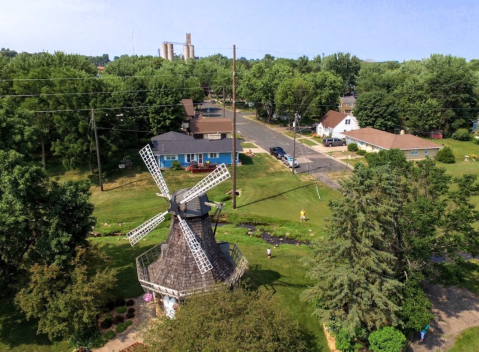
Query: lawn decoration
[[190, 260]]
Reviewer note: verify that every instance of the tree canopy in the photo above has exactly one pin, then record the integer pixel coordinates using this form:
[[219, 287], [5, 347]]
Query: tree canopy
[[225, 320]]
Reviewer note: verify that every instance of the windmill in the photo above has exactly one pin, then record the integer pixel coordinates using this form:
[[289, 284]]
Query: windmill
[[190, 260]]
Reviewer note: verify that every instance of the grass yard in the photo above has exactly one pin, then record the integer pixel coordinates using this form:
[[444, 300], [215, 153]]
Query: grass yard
[[468, 341], [460, 150], [307, 141], [130, 197], [248, 145]]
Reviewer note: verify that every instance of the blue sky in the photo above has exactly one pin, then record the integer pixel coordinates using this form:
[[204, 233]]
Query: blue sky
[[370, 29]]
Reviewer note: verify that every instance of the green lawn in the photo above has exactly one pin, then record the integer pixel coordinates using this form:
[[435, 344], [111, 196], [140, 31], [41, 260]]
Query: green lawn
[[130, 197], [460, 150], [307, 141], [248, 145], [467, 341]]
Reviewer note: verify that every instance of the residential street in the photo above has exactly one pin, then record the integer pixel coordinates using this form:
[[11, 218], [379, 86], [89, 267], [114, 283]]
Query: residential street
[[309, 159]]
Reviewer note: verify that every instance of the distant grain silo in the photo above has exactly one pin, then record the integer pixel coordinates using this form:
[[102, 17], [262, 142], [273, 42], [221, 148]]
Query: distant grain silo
[[186, 52], [164, 51], [192, 52], [171, 51]]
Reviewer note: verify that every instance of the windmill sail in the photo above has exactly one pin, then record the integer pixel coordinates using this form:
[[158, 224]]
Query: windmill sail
[[152, 165], [134, 236], [200, 257], [217, 176]]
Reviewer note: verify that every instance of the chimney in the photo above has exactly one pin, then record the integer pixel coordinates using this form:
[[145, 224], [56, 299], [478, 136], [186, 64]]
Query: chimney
[[402, 132]]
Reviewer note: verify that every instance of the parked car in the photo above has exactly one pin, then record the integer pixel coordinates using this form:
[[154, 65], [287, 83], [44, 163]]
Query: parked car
[[288, 160], [333, 142], [277, 152]]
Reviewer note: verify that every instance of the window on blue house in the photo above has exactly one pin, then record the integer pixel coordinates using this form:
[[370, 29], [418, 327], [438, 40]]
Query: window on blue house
[[213, 155], [171, 157]]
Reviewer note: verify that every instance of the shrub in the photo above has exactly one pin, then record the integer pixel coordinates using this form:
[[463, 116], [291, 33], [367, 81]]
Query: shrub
[[175, 165], [387, 339], [353, 147], [109, 335], [461, 134], [130, 303], [446, 156], [119, 319], [130, 315], [121, 310], [344, 342], [120, 302], [361, 152], [87, 338], [110, 306], [123, 326], [106, 323], [416, 307], [131, 310]]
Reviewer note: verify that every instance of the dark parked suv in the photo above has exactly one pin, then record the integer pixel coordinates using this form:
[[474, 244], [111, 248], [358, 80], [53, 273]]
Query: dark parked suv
[[277, 152], [333, 142]]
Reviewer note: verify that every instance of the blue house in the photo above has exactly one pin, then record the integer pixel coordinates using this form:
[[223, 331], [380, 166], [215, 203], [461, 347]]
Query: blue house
[[172, 146], [475, 125]]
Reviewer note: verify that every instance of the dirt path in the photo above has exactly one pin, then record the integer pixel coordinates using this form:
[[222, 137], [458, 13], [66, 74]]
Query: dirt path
[[455, 309]]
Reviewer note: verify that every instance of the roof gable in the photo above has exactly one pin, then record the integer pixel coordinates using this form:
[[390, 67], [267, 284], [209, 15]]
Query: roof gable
[[332, 118], [189, 107], [172, 136]]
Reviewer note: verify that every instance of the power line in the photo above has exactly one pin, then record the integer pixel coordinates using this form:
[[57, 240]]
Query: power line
[[101, 77], [91, 93]]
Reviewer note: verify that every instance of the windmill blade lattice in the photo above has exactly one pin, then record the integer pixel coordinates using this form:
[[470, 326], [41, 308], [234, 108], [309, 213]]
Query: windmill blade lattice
[[134, 236], [200, 257], [152, 165], [217, 176]]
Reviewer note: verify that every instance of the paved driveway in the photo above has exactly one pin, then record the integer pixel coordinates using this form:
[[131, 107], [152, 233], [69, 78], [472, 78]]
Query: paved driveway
[[310, 160]]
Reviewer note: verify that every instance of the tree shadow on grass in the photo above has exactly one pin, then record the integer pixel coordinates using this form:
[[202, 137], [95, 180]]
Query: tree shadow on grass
[[15, 330]]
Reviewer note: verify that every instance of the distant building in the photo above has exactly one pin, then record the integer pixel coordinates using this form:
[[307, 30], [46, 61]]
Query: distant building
[[347, 104]]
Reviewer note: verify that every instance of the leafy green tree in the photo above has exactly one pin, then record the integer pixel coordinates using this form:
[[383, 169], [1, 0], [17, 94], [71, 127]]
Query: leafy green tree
[[41, 221], [451, 82], [68, 301], [225, 320], [18, 130], [387, 339], [416, 307], [377, 109], [259, 85], [345, 66]]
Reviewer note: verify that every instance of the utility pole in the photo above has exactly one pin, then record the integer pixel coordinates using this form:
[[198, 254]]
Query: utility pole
[[234, 126], [224, 102], [97, 150], [294, 140]]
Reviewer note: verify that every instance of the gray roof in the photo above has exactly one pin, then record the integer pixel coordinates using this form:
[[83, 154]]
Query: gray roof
[[172, 143], [348, 99]]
